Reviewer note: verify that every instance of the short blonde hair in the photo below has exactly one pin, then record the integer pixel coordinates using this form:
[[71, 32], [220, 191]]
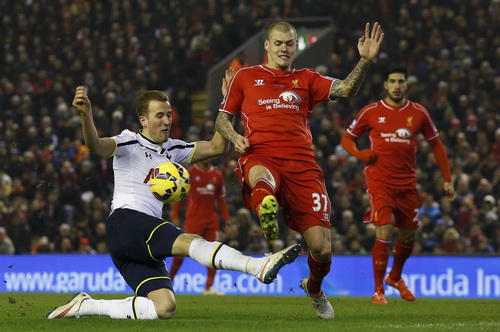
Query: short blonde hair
[[281, 26]]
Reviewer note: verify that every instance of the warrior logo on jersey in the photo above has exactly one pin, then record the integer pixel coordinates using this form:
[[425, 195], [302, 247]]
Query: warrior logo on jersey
[[259, 82], [290, 97], [404, 133]]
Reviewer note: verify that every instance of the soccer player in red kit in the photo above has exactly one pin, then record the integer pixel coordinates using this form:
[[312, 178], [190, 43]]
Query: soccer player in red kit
[[393, 124], [278, 165], [206, 197]]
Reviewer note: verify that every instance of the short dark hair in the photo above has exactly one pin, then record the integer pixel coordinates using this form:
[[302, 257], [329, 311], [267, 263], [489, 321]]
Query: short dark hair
[[395, 68], [142, 100], [281, 26]]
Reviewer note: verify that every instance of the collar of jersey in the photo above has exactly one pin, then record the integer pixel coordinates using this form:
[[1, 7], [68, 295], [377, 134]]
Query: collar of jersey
[[148, 142], [278, 73], [395, 107]]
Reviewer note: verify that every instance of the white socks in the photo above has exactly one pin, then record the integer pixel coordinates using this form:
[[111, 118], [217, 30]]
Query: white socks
[[210, 254], [221, 257], [137, 307]]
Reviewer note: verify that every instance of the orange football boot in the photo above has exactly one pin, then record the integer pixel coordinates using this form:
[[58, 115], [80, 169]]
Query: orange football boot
[[400, 285], [379, 298]]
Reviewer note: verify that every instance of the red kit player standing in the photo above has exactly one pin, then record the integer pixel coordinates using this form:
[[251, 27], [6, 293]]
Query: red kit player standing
[[393, 124], [206, 196], [278, 163]]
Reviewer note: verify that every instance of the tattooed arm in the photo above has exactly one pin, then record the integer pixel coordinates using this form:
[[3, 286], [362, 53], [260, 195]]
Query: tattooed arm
[[350, 85], [218, 144], [368, 47], [224, 126]]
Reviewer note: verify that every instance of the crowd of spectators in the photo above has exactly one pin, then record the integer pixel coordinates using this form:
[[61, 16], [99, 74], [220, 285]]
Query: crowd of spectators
[[55, 196]]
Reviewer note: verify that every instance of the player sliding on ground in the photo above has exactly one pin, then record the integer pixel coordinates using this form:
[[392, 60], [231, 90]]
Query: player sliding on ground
[[138, 239]]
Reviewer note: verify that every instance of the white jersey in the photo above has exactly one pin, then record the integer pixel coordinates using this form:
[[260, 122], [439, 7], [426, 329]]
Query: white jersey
[[134, 156]]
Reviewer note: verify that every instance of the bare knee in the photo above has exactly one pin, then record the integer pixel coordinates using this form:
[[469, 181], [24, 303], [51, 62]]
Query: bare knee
[[164, 302], [321, 252], [407, 237], [165, 310], [384, 232], [319, 242]]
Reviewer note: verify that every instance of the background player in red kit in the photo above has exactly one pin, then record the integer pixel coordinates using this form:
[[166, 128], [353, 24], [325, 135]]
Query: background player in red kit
[[278, 163], [206, 198], [393, 124]]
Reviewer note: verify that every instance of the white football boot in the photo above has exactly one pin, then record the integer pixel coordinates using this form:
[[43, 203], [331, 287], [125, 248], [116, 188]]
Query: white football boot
[[274, 262], [70, 309], [323, 307]]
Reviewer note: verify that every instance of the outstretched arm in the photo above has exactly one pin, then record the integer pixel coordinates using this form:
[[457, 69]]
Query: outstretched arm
[[368, 47], [224, 125], [219, 143], [224, 121], [442, 160], [102, 146]]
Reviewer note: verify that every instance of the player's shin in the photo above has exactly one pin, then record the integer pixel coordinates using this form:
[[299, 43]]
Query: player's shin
[[401, 253], [261, 189], [222, 257], [318, 271], [136, 307], [380, 256]]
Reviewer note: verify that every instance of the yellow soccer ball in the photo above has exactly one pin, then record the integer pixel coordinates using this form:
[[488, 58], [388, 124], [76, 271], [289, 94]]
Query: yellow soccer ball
[[170, 182]]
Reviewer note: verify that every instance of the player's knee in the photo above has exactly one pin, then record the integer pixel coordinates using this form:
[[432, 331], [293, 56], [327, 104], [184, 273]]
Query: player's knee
[[384, 232], [408, 237], [166, 310], [321, 252]]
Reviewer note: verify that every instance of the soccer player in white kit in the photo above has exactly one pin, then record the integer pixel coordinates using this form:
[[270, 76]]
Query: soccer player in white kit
[[138, 238]]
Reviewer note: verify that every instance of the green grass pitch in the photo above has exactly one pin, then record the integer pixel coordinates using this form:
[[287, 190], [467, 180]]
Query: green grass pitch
[[26, 312]]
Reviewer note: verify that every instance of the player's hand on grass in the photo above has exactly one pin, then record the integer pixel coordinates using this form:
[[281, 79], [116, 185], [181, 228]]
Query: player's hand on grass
[[367, 156], [81, 101]]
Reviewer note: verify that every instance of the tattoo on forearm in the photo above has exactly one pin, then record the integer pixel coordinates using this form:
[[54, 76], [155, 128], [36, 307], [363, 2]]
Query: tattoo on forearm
[[336, 90], [351, 84], [224, 126]]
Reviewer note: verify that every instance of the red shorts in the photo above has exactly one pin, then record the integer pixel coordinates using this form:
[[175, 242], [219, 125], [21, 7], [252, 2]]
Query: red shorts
[[387, 202], [300, 190], [205, 230]]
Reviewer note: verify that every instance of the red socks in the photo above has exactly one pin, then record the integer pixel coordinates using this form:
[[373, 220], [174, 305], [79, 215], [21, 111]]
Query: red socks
[[176, 264], [261, 189], [318, 271], [210, 278], [380, 256], [401, 253]]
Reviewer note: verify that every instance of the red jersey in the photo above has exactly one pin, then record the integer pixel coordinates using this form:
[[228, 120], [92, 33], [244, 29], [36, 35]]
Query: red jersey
[[275, 107], [393, 137], [206, 194]]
